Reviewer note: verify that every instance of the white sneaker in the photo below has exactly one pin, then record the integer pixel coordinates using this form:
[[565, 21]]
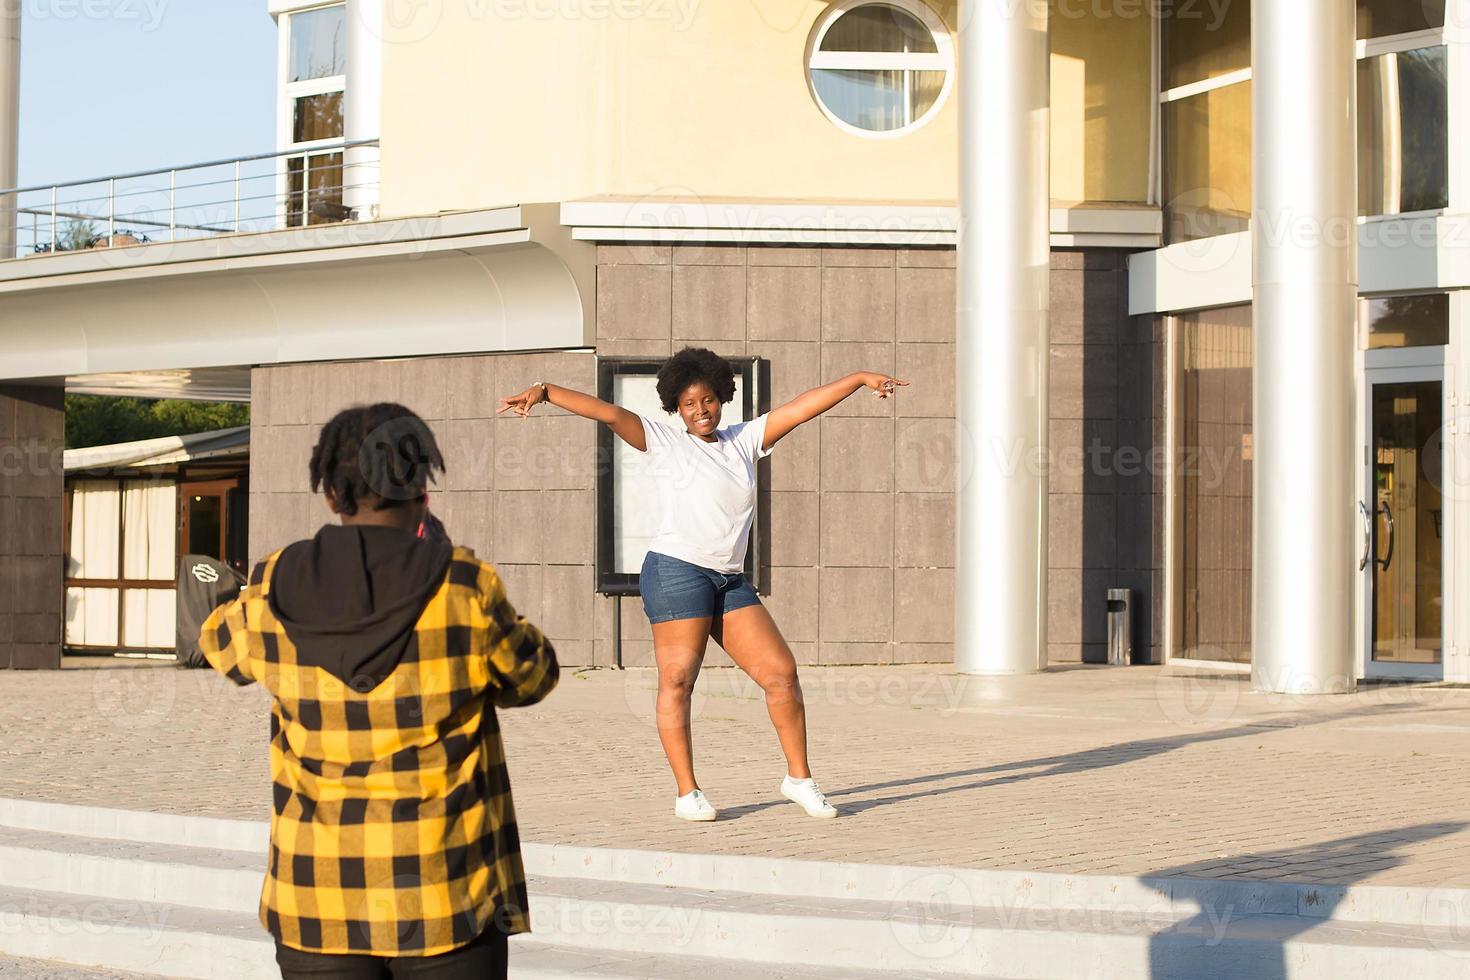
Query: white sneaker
[[693, 806], [804, 793]]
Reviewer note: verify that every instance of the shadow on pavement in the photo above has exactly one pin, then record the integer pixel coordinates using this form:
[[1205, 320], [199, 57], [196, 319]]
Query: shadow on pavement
[[1087, 760], [1220, 942]]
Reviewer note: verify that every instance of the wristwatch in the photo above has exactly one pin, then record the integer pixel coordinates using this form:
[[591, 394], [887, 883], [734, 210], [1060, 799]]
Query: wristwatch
[[545, 391]]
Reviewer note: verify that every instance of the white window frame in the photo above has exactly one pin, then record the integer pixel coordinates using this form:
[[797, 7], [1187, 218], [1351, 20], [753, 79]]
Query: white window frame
[[941, 60], [289, 92]]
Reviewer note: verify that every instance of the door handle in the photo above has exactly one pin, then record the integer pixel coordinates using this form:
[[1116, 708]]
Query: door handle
[[1367, 535], [1387, 511]]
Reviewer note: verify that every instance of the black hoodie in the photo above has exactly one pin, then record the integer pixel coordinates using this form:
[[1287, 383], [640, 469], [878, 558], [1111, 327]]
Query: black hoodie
[[350, 598]]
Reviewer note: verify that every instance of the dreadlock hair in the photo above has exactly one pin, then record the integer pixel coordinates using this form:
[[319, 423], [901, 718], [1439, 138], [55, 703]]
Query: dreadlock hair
[[690, 366], [383, 453]]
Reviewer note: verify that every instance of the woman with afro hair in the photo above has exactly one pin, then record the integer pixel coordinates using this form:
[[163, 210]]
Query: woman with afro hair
[[692, 582]]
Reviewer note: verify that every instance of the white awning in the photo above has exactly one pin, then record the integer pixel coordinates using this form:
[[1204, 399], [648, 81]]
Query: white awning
[[168, 450]]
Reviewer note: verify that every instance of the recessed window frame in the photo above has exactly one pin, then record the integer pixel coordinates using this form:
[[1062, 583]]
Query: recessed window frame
[[753, 374], [943, 59]]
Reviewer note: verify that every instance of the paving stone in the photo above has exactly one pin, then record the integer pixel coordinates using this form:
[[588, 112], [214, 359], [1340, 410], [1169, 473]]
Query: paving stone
[[1138, 771]]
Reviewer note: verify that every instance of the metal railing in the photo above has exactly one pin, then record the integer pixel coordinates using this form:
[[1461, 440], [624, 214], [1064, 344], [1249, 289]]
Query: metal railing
[[266, 192]]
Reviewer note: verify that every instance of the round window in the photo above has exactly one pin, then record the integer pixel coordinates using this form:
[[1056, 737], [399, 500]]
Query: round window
[[880, 69]]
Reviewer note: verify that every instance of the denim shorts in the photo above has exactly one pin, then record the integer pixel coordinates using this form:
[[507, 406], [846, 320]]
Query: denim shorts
[[674, 589]]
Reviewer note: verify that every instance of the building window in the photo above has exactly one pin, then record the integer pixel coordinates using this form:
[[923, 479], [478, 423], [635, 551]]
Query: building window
[[318, 43], [316, 117], [1206, 119], [1407, 321], [1204, 41], [121, 564], [1403, 132], [1383, 18], [1212, 458], [1205, 114], [1201, 42], [1207, 163], [880, 69], [314, 82]]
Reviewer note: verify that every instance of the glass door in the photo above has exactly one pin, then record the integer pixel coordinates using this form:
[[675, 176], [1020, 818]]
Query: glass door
[[1403, 523], [202, 525]]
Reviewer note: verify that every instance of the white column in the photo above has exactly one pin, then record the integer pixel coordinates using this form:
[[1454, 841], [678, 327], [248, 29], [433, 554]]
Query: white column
[[9, 120], [1306, 273], [362, 112], [1004, 267]]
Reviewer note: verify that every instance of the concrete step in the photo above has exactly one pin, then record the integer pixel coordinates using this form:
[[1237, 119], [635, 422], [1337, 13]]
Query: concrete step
[[124, 870], [118, 890], [1402, 905], [134, 936], [533, 959], [916, 939], [68, 937], [645, 931]]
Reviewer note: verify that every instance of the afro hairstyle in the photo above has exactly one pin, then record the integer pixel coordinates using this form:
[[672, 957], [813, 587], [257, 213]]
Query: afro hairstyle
[[691, 366]]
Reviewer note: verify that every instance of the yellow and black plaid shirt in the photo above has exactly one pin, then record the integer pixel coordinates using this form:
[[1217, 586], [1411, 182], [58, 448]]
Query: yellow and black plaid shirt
[[393, 832]]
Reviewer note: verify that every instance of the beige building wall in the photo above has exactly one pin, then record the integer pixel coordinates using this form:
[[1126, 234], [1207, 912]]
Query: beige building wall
[[488, 104]]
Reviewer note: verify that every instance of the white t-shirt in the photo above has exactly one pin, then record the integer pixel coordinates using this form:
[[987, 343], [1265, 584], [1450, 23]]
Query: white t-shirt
[[706, 491]]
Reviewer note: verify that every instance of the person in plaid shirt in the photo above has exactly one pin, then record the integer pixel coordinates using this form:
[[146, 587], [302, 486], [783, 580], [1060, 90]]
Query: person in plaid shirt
[[394, 849]]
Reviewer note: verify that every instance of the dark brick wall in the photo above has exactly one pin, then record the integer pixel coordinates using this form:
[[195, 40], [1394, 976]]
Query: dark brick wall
[[32, 595], [1107, 414]]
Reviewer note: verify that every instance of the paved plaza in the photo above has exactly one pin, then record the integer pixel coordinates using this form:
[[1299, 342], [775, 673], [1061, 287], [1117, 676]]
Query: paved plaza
[[24, 969], [1133, 771]]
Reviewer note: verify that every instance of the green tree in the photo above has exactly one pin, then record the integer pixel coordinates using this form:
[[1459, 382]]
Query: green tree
[[78, 233], [98, 420]]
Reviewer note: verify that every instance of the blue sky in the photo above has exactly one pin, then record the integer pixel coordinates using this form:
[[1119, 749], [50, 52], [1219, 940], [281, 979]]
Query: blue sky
[[110, 86]]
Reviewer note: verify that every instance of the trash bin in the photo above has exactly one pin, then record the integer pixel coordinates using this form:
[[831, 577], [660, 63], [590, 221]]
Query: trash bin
[[1120, 627]]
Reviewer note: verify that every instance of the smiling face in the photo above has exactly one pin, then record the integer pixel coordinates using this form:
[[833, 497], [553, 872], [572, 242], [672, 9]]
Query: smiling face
[[699, 407]]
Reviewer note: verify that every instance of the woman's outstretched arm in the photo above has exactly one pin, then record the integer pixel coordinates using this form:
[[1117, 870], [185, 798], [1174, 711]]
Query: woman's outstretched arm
[[808, 405], [624, 423]]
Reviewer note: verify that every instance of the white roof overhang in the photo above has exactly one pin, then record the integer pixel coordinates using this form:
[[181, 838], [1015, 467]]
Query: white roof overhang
[[450, 284], [681, 220]]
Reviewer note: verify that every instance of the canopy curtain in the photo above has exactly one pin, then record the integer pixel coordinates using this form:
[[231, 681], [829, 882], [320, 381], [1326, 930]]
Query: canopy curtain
[[91, 614], [149, 530], [150, 533], [94, 527]]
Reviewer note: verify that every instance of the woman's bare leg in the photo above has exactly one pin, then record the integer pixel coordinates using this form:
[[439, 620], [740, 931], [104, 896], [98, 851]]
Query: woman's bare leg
[[749, 635], [678, 649]]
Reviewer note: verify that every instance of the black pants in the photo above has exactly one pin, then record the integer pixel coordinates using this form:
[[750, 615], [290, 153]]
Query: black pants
[[485, 958]]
